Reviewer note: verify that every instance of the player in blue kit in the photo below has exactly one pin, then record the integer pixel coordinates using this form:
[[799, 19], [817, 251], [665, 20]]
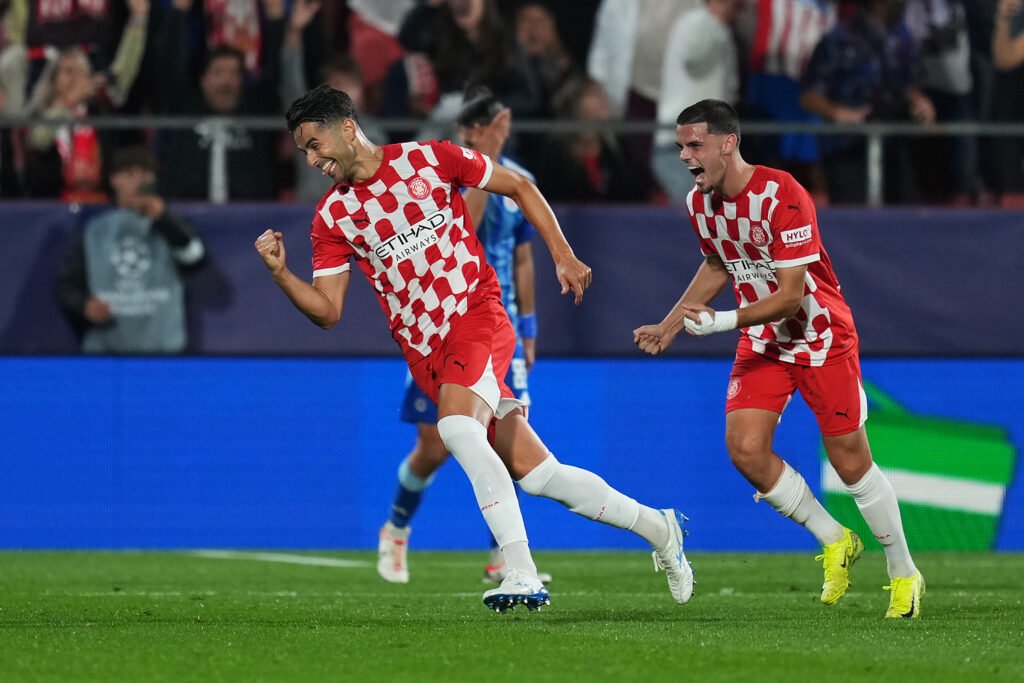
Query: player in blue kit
[[483, 124]]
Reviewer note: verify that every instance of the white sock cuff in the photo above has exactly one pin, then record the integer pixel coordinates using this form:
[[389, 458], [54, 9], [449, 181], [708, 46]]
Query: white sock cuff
[[537, 478], [410, 481], [787, 493], [455, 426], [863, 489]]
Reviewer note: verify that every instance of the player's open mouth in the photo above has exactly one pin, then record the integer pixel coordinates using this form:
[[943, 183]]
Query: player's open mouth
[[328, 167], [695, 170]]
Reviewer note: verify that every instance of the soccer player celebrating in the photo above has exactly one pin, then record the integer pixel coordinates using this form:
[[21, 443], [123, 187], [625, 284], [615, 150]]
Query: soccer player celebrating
[[397, 211], [483, 124], [758, 226]]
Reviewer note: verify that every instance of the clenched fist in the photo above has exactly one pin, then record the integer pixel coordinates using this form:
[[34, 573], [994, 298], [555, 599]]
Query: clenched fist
[[270, 246]]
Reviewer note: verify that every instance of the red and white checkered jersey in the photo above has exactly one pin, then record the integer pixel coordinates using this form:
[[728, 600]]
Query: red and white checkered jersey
[[409, 232], [772, 224]]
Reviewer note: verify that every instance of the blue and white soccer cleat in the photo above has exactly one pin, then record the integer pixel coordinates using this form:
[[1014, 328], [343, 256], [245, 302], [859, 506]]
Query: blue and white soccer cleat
[[672, 561], [517, 588]]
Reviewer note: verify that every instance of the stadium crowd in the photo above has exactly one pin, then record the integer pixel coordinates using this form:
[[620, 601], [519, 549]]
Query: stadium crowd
[[801, 61]]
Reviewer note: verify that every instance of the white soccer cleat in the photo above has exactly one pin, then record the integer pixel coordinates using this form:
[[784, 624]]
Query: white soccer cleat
[[672, 561], [517, 588], [494, 571], [392, 552]]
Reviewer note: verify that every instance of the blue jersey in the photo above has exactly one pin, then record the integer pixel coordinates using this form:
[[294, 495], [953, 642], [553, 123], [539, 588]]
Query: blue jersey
[[503, 228]]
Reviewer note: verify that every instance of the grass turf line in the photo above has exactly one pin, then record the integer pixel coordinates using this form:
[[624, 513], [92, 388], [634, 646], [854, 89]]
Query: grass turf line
[[178, 617]]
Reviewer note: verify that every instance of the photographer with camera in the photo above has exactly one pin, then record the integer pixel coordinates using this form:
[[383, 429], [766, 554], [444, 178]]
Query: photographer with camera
[[121, 283]]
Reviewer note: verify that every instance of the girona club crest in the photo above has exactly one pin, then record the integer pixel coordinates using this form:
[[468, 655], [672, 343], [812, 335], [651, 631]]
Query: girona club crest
[[734, 388], [418, 187], [758, 235]]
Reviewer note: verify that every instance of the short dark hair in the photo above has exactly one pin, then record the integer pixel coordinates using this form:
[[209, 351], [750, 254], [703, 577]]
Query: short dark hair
[[340, 63], [479, 106], [721, 118], [323, 105], [135, 156], [224, 50]]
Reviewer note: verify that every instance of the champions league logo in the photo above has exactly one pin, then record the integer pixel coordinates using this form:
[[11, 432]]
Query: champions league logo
[[132, 259]]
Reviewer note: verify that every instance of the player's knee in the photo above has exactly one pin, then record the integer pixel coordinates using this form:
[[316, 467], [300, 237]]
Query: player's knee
[[459, 431], [747, 450], [536, 480], [849, 455], [851, 468], [430, 451]]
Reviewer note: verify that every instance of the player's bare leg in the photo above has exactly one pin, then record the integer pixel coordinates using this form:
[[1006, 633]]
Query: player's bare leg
[[462, 416], [850, 455], [414, 475], [539, 473], [748, 436]]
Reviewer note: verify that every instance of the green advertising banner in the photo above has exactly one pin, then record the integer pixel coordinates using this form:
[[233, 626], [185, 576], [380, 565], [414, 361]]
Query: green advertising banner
[[950, 476]]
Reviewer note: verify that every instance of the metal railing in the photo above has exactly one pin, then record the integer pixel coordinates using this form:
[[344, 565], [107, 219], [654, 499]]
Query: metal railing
[[218, 131]]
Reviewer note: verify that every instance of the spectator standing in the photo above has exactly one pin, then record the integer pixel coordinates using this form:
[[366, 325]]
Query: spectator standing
[[120, 282], [591, 164], [339, 71], [546, 56], [779, 37], [196, 165], [701, 63], [867, 69], [627, 55], [467, 44], [66, 161], [1008, 101], [939, 28]]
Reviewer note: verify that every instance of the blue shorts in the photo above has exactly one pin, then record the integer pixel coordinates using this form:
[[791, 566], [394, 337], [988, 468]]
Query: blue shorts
[[416, 407]]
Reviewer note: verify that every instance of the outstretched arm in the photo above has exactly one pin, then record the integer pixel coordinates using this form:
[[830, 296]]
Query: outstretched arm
[[708, 281], [572, 273], [323, 301]]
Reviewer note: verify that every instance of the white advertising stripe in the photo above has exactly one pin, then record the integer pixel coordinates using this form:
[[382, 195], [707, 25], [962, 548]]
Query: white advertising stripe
[[280, 557], [966, 495]]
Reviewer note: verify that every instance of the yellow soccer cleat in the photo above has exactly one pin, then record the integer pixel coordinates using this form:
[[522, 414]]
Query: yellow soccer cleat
[[837, 559], [905, 597]]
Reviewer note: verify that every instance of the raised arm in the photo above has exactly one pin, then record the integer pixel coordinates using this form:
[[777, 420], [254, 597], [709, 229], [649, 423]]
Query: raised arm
[[323, 301], [572, 274]]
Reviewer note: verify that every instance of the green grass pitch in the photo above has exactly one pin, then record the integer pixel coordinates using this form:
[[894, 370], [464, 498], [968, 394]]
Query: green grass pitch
[[755, 617]]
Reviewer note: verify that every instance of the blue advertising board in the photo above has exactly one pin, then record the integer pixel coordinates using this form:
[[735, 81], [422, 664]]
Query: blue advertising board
[[302, 453]]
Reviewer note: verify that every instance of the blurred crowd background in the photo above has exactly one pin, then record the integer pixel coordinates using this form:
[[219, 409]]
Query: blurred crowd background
[[407, 62]]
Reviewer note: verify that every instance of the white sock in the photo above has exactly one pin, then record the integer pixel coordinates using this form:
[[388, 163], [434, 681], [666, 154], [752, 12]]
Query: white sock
[[792, 497], [466, 439], [590, 496], [877, 502]]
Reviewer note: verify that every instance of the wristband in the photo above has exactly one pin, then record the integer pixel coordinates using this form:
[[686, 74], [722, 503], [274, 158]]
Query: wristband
[[722, 322], [528, 326]]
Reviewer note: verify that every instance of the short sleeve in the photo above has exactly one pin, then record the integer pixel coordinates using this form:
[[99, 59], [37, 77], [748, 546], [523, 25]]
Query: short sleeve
[[331, 251], [794, 226], [465, 167]]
